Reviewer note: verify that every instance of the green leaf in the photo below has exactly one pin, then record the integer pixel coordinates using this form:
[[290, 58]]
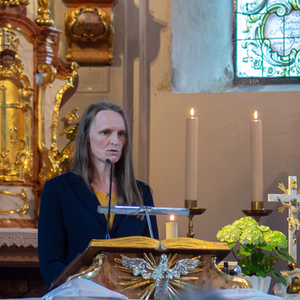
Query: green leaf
[[266, 247], [278, 277], [250, 247], [261, 273], [244, 251], [284, 254], [258, 256], [231, 245]]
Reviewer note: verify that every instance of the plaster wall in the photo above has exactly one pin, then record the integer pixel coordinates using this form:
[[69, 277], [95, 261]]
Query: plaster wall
[[224, 179], [201, 46], [224, 183]]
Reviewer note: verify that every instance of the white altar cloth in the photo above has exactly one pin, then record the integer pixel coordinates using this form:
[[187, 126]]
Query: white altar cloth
[[80, 287], [234, 294], [238, 294], [18, 236]]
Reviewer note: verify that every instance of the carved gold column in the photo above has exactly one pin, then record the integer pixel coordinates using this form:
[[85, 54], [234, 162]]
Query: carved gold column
[[43, 11]]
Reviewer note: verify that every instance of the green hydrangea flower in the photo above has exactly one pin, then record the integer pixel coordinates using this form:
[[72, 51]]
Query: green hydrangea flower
[[245, 222], [275, 238], [268, 237], [259, 247], [264, 228], [279, 240], [229, 234], [251, 236]]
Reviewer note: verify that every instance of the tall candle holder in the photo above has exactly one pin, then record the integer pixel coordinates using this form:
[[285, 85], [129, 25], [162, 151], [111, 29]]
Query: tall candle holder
[[194, 210], [257, 210]]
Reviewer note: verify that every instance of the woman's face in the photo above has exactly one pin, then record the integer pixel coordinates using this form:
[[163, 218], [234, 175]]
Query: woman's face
[[107, 137]]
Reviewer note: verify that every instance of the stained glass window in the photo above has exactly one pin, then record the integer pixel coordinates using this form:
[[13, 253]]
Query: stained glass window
[[267, 39]]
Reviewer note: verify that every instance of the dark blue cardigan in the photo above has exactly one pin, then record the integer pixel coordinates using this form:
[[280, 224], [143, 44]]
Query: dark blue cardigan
[[68, 221]]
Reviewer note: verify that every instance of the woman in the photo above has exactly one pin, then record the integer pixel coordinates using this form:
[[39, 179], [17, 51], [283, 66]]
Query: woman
[[68, 218]]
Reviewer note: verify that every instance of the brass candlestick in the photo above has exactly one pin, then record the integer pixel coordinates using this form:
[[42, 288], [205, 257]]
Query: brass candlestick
[[194, 210], [257, 211]]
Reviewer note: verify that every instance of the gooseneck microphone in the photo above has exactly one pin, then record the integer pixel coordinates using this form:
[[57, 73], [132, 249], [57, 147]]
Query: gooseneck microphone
[[107, 236]]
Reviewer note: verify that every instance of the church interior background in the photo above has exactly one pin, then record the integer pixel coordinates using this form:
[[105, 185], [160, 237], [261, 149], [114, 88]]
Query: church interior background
[[169, 57]]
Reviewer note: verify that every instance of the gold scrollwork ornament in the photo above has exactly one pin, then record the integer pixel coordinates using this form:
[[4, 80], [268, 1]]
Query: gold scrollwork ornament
[[238, 282], [89, 31], [54, 161], [23, 210], [93, 270], [87, 23]]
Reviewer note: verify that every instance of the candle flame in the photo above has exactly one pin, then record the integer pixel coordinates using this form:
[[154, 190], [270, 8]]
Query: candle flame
[[172, 218], [255, 115], [192, 112]]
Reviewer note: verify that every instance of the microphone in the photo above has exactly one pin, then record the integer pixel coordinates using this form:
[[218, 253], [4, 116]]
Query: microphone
[[107, 236]]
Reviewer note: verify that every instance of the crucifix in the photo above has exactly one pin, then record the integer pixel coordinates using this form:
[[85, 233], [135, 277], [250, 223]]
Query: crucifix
[[289, 199]]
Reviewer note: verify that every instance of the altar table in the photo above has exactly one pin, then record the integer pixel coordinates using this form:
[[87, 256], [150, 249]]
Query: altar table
[[103, 263]]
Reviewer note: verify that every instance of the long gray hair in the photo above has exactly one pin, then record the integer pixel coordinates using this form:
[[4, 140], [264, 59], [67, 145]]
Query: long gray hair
[[128, 191]]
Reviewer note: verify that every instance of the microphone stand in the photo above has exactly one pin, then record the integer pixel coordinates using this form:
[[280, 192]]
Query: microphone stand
[[107, 236]]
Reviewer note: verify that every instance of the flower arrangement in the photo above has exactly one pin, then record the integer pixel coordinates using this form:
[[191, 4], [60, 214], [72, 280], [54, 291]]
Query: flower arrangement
[[260, 247]]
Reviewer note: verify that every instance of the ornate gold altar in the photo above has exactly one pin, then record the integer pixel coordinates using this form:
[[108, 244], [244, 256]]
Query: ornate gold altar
[[140, 267], [33, 85]]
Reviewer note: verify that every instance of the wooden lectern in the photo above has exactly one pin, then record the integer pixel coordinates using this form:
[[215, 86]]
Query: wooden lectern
[[139, 267]]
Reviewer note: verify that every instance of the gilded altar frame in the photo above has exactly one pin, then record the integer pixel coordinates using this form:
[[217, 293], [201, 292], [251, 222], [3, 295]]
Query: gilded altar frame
[[28, 140]]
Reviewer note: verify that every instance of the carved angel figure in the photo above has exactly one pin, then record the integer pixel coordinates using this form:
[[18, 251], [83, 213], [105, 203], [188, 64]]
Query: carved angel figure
[[162, 273]]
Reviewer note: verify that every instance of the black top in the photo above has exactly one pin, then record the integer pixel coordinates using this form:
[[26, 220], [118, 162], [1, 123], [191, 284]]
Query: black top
[[69, 220]]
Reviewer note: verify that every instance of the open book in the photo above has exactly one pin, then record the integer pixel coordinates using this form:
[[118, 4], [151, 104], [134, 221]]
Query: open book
[[146, 243]]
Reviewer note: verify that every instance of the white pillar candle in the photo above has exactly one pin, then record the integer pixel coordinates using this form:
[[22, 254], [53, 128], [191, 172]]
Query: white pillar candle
[[171, 228], [256, 159], [191, 157]]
